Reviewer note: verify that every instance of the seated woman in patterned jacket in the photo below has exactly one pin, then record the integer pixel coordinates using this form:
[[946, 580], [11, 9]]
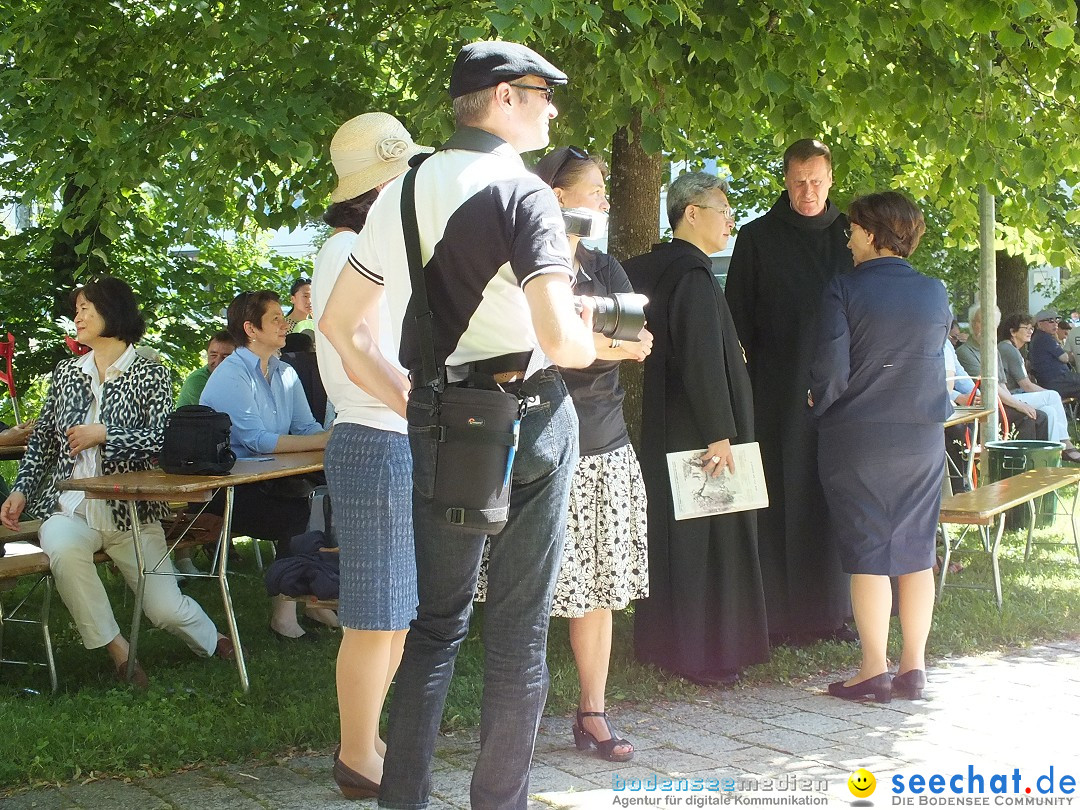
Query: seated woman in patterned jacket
[[105, 413]]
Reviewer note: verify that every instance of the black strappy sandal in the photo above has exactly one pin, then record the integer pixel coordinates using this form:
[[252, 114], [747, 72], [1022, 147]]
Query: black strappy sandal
[[584, 739]]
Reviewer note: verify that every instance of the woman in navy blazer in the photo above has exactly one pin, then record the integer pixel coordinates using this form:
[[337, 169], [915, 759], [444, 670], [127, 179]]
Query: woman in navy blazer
[[876, 388]]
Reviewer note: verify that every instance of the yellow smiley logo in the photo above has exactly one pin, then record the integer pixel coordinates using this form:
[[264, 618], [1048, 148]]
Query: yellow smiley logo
[[861, 783]]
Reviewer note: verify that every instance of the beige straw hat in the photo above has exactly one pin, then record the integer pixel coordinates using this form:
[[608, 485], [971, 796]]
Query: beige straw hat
[[369, 150]]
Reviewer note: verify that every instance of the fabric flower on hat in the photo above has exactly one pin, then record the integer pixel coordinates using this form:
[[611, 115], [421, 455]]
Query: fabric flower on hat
[[392, 148]]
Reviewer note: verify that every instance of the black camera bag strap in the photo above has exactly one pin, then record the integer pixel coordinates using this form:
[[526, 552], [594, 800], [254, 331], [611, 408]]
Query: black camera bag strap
[[419, 306]]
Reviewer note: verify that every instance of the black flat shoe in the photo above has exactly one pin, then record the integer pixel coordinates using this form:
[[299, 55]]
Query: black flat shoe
[[910, 685], [725, 677], [880, 686], [352, 784], [585, 739], [308, 636]]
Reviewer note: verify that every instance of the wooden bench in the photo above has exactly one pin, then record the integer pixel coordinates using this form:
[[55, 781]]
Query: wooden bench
[[22, 558], [982, 507]]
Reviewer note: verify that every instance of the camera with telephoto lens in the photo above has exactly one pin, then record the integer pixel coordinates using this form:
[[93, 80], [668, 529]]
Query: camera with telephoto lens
[[620, 316], [585, 223]]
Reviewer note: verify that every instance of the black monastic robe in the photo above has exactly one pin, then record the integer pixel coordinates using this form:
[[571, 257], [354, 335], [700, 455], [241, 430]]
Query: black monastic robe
[[779, 269], [705, 615]]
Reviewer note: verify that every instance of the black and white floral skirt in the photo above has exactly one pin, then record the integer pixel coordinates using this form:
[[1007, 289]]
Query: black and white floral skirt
[[605, 560]]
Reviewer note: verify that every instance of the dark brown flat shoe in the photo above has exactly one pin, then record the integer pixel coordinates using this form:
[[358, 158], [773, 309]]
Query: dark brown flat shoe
[[225, 649], [352, 784], [138, 679]]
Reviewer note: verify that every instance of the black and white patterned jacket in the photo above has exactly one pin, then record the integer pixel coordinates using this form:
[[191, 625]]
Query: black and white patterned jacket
[[134, 408]]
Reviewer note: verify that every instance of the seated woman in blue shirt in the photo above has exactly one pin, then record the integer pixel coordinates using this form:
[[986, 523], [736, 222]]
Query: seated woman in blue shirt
[[270, 414]]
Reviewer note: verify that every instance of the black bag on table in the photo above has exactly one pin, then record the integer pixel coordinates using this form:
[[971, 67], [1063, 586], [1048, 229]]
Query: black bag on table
[[197, 442]]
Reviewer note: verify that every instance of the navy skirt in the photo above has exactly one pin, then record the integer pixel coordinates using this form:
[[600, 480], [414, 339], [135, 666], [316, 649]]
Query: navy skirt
[[369, 473], [882, 484]]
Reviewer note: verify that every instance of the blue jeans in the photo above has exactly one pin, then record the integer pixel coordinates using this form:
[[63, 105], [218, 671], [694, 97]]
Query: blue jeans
[[524, 564]]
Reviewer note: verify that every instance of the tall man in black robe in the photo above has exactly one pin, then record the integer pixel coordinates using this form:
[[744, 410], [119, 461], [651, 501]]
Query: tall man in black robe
[[705, 615], [781, 264]]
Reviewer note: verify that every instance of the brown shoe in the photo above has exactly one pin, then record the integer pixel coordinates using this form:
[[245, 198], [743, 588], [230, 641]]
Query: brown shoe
[[353, 785], [225, 649], [138, 679]]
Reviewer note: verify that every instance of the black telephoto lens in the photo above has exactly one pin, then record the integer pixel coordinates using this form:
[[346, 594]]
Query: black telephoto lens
[[620, 316]]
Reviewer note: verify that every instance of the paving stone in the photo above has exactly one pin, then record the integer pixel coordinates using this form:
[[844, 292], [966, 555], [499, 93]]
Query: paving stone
[[114, 793], [810, 723], [199, 790], [697, 740], [782, 739], [41, 799]]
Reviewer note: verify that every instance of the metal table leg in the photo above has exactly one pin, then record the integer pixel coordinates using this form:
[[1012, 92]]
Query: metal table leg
[[945, 564], [140, 588], [46, 636], [223, 583], [994, 554]]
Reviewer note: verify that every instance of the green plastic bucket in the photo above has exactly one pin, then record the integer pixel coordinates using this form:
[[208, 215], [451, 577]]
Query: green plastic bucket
[[1009, 458]]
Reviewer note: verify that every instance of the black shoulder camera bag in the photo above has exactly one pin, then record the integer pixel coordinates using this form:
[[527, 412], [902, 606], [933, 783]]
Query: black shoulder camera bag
[[477, 421], [197, 442]]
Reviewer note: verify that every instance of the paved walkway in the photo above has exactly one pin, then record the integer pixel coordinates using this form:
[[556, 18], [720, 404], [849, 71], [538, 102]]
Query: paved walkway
[[759, 746]]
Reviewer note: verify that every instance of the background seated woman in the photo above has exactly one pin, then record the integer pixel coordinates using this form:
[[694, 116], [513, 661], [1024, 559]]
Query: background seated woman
[[1014, 333], [270, 414], [105, 413]]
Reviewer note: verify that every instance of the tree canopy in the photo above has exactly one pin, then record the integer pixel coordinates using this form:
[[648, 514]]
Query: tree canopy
[[131, 127]]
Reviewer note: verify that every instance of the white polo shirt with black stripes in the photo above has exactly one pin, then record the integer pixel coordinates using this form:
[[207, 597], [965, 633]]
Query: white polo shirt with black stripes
[[487, 227]]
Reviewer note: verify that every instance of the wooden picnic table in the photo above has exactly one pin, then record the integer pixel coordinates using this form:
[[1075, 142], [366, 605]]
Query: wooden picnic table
[[973, 414], [158, 485]]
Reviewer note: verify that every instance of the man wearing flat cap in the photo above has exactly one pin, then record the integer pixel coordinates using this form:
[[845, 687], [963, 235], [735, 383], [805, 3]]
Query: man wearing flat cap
[[1049, 360], [498, 275]]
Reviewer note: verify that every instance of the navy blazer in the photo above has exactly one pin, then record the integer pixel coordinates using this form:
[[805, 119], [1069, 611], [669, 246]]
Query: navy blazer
[[878, 355]]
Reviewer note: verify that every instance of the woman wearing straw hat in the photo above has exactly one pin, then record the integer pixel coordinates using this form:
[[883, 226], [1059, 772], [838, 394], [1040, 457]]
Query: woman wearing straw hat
[[368, 467]]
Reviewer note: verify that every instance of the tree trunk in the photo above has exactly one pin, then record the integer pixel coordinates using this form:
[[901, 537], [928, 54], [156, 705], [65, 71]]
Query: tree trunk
[[636, 177], [1012, 283]]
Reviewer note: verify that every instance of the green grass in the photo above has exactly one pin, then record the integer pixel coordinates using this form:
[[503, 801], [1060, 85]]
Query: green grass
[[195, 714]]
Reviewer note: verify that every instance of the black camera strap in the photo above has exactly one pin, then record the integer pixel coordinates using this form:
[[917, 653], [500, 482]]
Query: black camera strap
[[419, 305]]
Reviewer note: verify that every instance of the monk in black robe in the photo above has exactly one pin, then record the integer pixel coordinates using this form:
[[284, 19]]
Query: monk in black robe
[[780, 267], [705, 615]]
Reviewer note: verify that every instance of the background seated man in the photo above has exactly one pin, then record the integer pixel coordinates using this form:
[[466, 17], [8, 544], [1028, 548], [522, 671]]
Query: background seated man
[[1049, 360], [220, 346]]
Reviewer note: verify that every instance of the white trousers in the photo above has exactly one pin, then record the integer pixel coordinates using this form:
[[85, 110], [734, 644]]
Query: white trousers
[[71, 544], [1049, 402]]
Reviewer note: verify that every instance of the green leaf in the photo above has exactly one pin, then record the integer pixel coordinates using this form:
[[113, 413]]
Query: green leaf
[[1009, 37], [638, 15], [502, 22], [1061, 37], [777, 83]]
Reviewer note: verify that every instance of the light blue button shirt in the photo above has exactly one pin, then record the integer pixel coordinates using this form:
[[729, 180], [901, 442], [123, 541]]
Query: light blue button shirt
[[261, 410]]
